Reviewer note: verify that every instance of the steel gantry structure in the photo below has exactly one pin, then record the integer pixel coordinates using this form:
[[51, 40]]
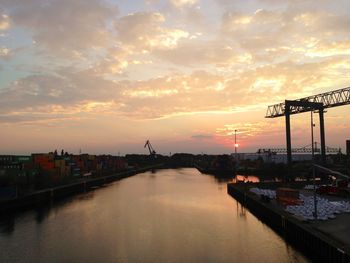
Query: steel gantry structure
[[318, 103], [298, 150]]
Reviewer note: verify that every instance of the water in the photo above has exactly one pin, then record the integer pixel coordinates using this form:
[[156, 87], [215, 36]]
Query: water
[[168, 216]]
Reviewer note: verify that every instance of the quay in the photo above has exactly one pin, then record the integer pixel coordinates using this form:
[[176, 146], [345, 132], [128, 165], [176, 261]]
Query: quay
[[326, 241], [59, 192]]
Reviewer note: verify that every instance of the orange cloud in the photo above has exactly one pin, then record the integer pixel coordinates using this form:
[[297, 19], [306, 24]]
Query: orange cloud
[[4, 22]]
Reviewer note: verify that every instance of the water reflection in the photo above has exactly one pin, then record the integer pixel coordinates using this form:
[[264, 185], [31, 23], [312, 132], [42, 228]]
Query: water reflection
[[241, 210], [41, 213], [224, 180], [167, 216]]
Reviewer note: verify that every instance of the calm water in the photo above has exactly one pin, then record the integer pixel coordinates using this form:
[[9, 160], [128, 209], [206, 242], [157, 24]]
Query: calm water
[[169, 216]]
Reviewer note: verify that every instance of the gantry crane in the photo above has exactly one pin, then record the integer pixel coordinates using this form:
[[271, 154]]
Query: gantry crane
[[152, 152], [319, 103], [305, 149]]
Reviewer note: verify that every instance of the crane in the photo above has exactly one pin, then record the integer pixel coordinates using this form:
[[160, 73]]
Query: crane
[[318, 102], [305, 149], [152, 152]]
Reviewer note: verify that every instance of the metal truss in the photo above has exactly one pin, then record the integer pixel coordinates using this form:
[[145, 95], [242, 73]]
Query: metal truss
[[328, 99], [298, 150]]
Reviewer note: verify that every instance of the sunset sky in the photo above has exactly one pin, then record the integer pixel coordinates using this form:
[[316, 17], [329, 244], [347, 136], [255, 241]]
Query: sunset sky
[[106, 75]]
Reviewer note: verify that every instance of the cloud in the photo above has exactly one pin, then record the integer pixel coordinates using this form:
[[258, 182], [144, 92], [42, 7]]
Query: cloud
[[202, 136], [4, 21], [144, 31], [183, 3], [68, 92], [196, 52], [65, 93], [5, 52], [329, 49], [243, 130], [249, 134], [115, 62], [38, 119], [270, 35], [155, 98], [255, 58], [62, 26], [265, 36], [203, 91]]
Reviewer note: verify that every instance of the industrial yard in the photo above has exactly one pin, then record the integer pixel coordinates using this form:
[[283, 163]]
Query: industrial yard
[[333, 213], [290, 212]]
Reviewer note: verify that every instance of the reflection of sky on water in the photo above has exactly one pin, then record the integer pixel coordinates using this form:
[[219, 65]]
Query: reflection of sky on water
[[172, 215], [185, 202]]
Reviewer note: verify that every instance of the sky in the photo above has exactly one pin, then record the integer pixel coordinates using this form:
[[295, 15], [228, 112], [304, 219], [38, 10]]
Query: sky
[[104, 76]]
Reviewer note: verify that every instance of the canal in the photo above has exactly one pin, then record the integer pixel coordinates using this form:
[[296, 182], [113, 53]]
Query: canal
[[173, 215]]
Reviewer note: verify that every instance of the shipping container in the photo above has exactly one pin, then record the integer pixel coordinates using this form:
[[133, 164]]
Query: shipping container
[[5, 159], [287, 196], [23, 159], [60, 163], [47, 166]]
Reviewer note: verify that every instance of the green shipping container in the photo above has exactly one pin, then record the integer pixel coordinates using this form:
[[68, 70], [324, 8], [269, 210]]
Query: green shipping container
[[23, 159]]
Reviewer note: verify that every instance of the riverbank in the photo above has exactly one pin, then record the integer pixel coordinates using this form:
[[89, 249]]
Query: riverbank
[[310, 238], [55, 193]]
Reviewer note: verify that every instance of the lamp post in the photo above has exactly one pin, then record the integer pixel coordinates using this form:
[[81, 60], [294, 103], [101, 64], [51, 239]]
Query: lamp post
[[313, 164], [236, 145]]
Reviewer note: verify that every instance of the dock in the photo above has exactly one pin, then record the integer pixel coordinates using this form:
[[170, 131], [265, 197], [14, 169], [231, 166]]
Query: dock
[[321, 241]]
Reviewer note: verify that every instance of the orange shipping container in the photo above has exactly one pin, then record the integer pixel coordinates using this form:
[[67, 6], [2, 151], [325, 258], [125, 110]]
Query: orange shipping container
[[48, 165], [287, 196]]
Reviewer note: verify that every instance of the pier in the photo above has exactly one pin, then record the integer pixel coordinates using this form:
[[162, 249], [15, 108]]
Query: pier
[[318, 240]]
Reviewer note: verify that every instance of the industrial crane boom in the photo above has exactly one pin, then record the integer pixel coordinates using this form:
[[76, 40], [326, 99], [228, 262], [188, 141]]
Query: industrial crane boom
[[152, 152], [331, 172]]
